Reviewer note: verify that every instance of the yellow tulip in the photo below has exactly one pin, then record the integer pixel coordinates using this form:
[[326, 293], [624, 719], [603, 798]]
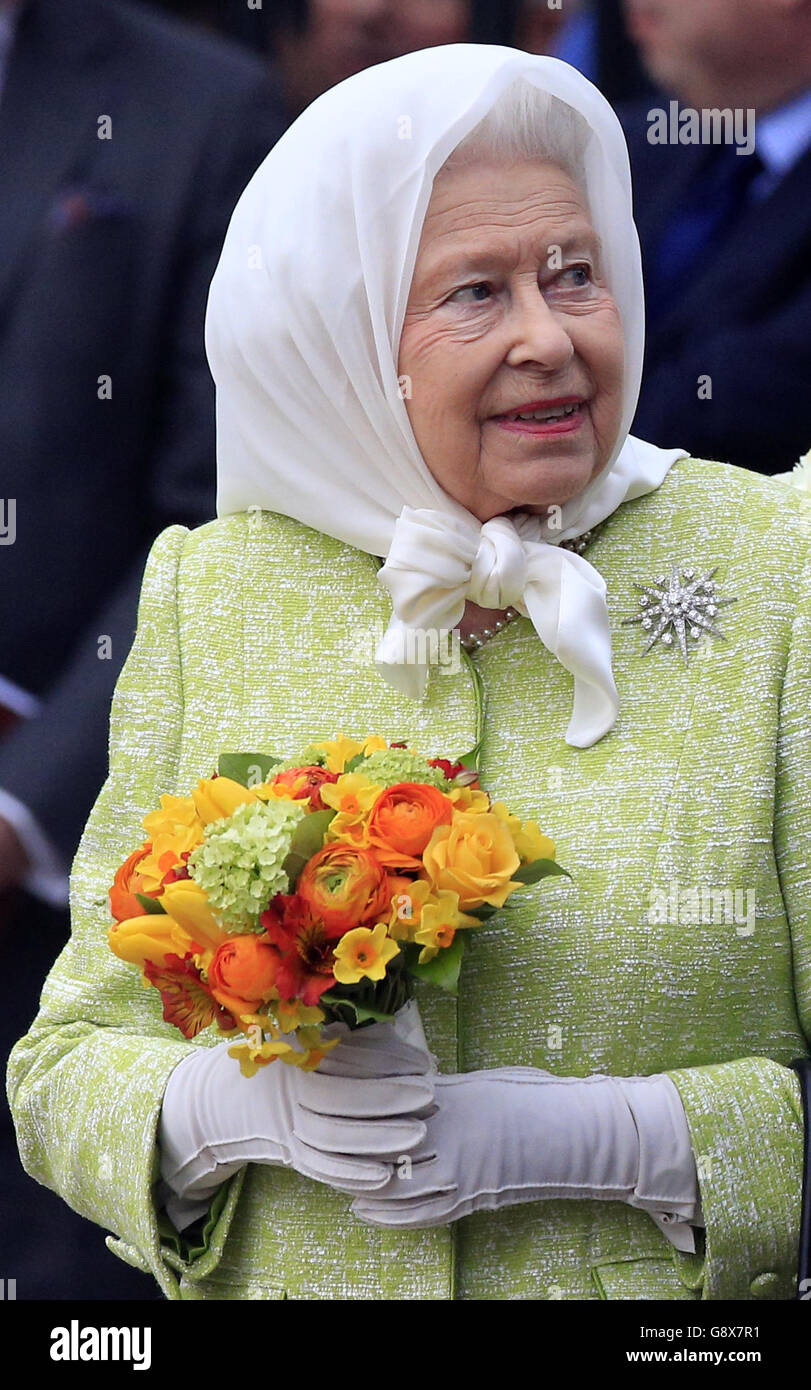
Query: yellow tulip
[[216, 797], [186, 902], [152, 936]]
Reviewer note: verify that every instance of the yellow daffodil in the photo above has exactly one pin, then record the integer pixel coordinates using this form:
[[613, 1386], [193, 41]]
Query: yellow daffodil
[[469, 799], [409, 908], [352, 795], [528, 838], [341, 750], [167, 850], [292, 1014], [435, 931], [251, 1056], [175, 812], [363, 954], [275, 791]]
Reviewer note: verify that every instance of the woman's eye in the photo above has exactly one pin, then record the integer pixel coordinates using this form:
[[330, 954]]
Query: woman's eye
[[581, 274], [473, 291]]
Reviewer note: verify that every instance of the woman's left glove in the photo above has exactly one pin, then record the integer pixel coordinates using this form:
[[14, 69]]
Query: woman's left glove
[[519, 1134]]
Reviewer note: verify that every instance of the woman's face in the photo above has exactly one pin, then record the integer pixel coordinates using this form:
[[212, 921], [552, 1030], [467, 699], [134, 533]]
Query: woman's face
[[509, 312]]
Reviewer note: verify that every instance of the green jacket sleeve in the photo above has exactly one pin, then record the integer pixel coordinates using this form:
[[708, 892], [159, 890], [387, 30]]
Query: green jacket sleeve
[[745, 1116], [86, 1083]]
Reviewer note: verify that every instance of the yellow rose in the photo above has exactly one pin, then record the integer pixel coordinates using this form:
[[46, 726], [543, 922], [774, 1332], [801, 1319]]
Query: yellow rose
[[475, 857]]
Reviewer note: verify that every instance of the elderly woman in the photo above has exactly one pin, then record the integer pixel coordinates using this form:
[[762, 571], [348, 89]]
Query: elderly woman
[[426, 334]]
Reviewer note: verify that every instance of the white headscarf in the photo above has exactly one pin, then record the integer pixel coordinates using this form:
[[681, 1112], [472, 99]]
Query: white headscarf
[[302, 333]]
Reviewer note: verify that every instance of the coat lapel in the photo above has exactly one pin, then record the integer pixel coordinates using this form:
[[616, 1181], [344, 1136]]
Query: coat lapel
[[50, 105]]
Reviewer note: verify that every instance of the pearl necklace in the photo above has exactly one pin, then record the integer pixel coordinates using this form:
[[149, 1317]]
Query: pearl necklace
[[477, 639]]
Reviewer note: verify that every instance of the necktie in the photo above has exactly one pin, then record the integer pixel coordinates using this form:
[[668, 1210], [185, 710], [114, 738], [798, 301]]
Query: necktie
[[705, 216]]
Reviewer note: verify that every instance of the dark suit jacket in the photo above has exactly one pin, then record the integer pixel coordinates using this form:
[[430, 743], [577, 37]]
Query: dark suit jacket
[[743, 318], [108, 249]]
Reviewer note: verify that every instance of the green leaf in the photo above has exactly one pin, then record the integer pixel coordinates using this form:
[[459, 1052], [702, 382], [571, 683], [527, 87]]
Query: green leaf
[[150, 904], [538, 869], [307, 841], [355, 763], [443, 970], [242, 767], [484, 913], [363, 1012]]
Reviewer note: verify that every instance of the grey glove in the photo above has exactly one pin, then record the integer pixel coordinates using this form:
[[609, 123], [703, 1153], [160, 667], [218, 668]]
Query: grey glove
[[519, 1134], [344, 1124]]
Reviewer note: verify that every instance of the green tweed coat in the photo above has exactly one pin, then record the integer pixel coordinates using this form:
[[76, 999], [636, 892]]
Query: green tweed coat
[[254, 633]]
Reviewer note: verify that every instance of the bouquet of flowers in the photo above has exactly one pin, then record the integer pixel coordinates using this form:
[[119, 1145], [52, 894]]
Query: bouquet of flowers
[[281, 896]]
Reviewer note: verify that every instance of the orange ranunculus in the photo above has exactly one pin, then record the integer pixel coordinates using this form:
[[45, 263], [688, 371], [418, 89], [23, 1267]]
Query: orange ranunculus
[[305, 782], [128, 882], [344, 886], [402, 821], [242, 973], [475, 857]]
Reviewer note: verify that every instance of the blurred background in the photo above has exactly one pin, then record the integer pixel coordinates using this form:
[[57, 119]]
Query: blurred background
[[127, 132]]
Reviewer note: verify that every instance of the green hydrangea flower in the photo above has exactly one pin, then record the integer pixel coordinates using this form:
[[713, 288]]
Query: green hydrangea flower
[[239, 863], [391, 765], [310, 757]]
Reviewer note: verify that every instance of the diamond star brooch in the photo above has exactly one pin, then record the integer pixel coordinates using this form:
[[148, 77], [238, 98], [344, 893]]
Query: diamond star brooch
[[678, 605]]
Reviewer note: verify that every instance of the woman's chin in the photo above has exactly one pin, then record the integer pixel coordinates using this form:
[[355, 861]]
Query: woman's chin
[[537, 489]]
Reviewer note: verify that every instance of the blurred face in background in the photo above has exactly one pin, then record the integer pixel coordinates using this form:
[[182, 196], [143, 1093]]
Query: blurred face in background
[[345, 36], [537, 27], [708, 50]]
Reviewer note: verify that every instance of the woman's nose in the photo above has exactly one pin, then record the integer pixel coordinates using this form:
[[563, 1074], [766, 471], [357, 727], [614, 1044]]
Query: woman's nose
[[537, 333]]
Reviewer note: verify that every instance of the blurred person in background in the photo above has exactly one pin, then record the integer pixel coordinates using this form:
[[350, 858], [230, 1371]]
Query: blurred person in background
[[125, 141], [726, 237], [316, 43]]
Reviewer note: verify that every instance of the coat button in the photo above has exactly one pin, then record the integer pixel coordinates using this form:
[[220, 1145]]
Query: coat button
[[765, 1285]]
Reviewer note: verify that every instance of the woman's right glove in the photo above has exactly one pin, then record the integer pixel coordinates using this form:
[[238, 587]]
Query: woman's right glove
[[345, 1124]]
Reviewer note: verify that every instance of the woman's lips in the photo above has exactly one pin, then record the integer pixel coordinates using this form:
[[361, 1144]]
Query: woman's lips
[[566, 424]]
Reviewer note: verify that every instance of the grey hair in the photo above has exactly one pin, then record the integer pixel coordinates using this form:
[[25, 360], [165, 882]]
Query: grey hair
[[526, 122]]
